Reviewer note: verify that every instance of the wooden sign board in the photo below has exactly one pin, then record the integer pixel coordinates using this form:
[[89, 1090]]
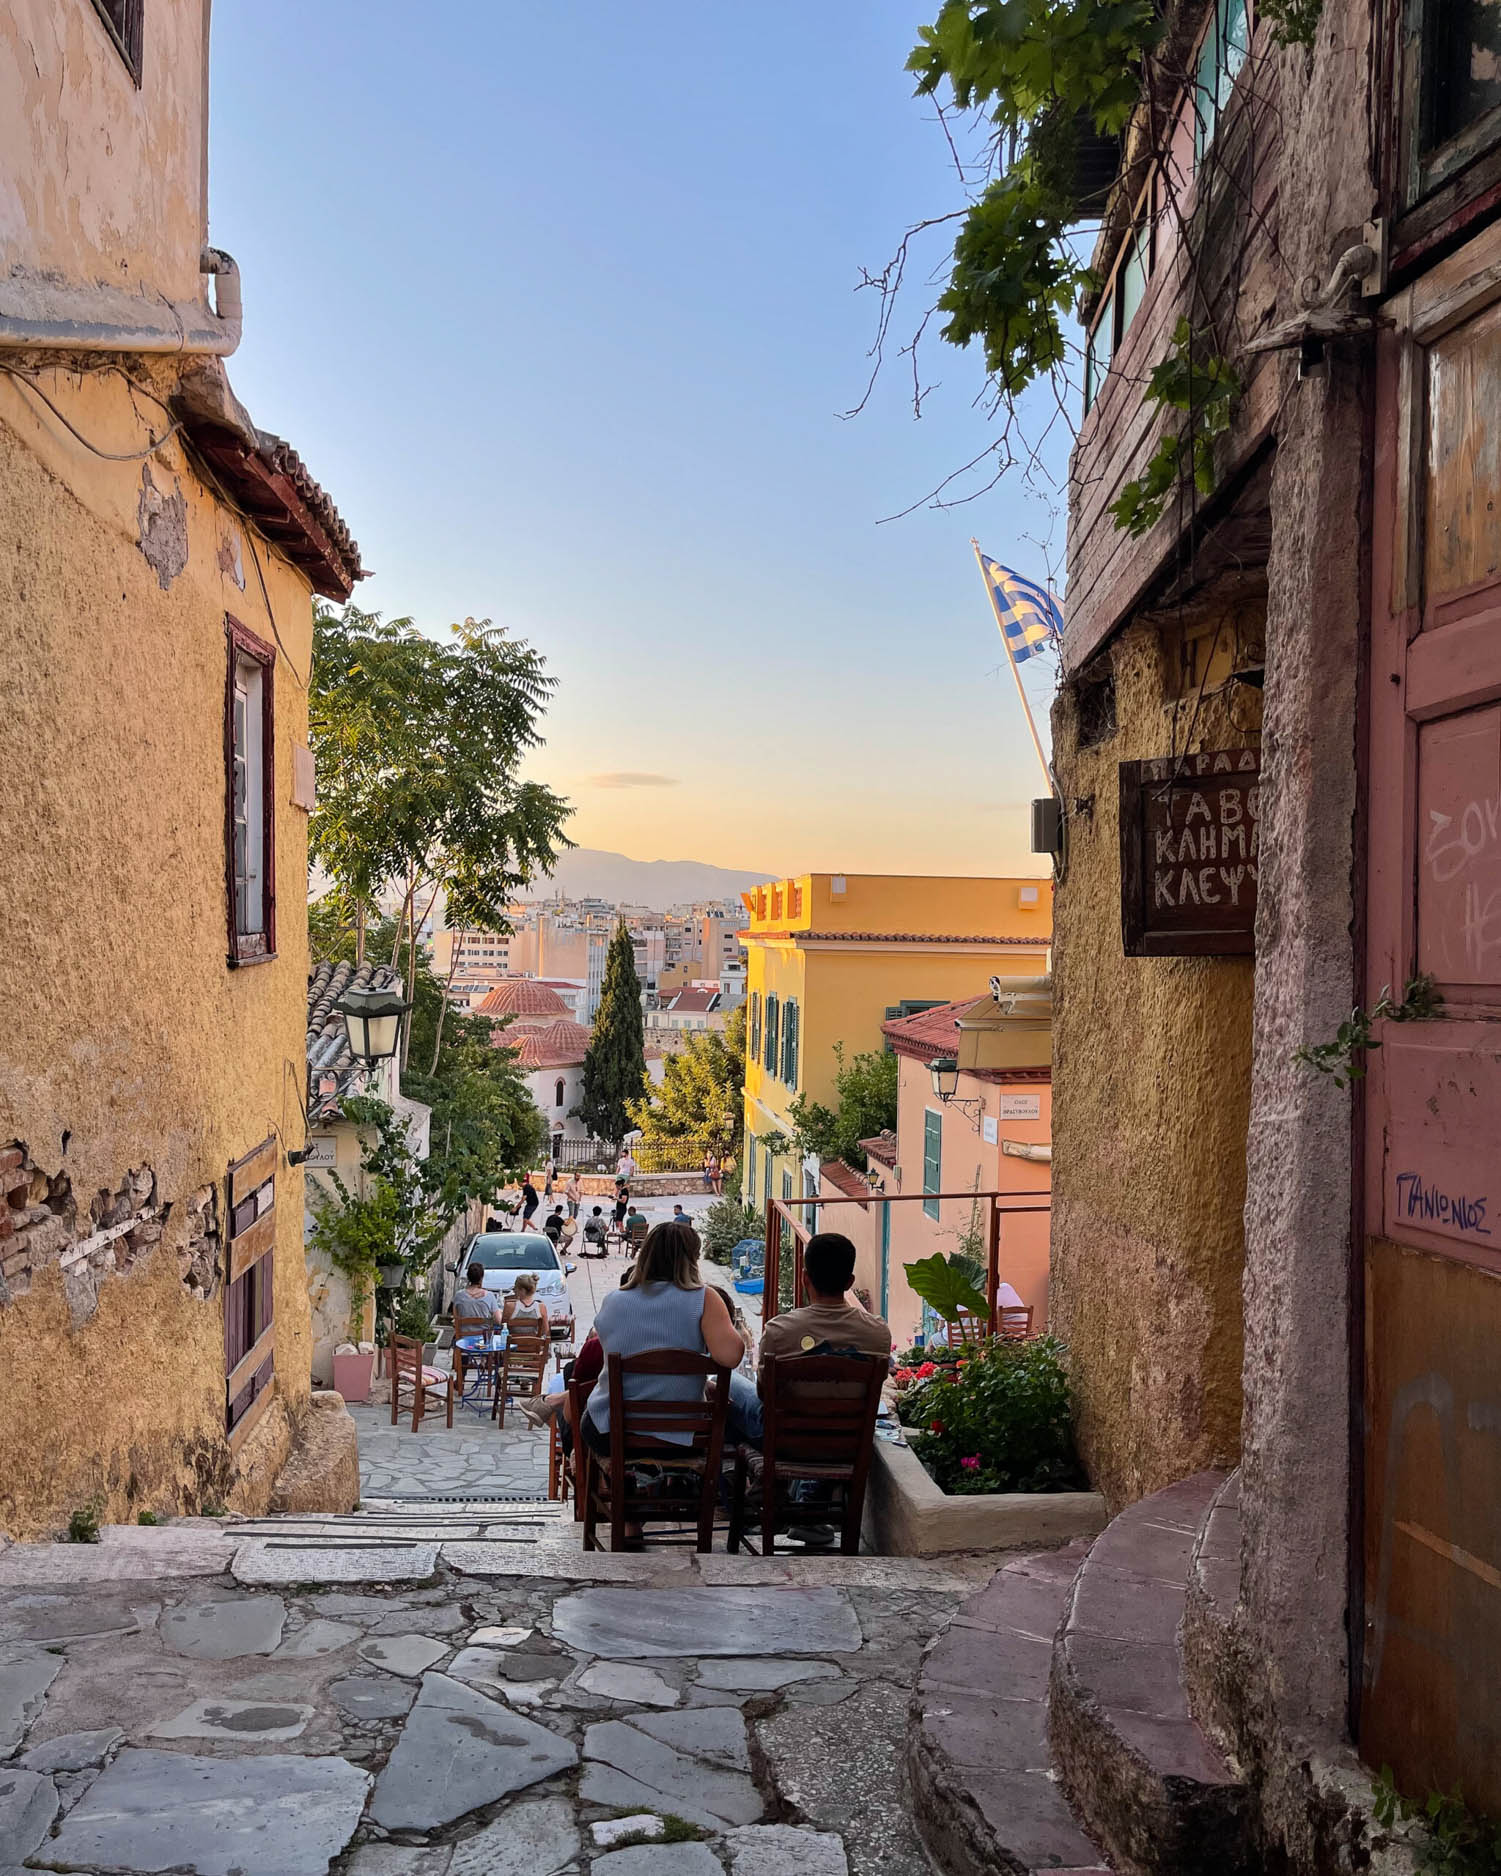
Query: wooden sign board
[[1190, 854]]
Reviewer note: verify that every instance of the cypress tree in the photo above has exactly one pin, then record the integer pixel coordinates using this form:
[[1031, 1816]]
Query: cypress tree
[[615, 1065]]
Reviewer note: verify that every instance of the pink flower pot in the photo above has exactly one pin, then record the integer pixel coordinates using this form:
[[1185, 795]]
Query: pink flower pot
[[352, 1376]]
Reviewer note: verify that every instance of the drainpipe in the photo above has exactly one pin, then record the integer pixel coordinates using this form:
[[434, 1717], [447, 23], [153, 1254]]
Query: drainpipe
[[38, 316]]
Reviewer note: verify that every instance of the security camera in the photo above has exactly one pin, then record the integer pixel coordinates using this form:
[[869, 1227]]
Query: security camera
[[995, 988]]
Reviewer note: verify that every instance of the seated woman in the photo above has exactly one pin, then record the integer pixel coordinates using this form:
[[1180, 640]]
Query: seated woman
[[663, 1303], [475, 1311], [523, 1314]]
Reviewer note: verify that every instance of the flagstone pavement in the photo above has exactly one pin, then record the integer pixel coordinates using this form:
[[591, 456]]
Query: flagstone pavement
[[196, 1698]]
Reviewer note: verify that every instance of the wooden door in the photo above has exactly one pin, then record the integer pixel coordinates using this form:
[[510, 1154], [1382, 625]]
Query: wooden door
[[1431, 1643]]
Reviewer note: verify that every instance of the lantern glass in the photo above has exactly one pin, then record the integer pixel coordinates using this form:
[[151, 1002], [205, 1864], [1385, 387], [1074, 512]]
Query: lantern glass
[[945, 1073], [372, 1019]]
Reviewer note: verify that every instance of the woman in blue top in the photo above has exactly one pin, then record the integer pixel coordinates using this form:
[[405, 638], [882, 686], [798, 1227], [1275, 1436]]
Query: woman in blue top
[[663, 1303]]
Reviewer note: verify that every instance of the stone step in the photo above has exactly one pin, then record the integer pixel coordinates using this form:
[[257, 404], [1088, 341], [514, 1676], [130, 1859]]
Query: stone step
[[1140, 1772], [984, 1796]]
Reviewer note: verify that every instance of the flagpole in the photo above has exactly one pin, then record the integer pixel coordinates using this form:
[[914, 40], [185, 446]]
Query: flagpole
[[1042, 760]]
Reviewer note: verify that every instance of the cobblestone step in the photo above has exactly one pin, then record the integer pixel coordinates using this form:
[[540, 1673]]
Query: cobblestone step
[[1138, 1768], [984, 1794]]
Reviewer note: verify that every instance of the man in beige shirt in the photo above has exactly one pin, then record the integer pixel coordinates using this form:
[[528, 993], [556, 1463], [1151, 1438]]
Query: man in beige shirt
[[831, 1324]]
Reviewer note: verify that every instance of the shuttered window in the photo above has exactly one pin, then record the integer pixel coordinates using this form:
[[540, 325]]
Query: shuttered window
[[249, 1296], [789, 1044], [123, 21], [932, 1158], [755, 1026], [771, 1035]]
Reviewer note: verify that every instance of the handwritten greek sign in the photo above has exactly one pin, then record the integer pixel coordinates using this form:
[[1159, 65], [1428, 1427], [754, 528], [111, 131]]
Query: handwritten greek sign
[[1190, 853]]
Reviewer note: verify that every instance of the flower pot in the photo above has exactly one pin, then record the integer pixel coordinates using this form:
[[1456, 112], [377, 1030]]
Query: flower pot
[[392, 1276], [352, 1376]]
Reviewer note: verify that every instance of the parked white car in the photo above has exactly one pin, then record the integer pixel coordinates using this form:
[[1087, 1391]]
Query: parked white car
[[505, 1254]]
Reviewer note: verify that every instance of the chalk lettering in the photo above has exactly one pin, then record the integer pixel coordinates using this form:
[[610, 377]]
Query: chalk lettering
[[1163, 840], [1162, 890], [1197, 805], [1206, 883], [1230, 808]]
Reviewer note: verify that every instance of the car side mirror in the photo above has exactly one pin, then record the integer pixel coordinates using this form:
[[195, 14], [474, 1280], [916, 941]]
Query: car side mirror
[[568, 1269]]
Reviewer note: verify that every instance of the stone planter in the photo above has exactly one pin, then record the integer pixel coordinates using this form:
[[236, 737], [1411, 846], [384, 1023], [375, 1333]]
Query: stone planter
[[907, 1515], [352, 1376]]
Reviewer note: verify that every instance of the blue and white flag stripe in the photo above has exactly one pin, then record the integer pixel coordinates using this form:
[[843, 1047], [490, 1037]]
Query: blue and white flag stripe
[[1027, 613]]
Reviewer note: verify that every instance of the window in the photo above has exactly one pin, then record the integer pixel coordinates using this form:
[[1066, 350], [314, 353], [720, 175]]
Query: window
[[750, 1169], [123, 21], [557, 1097], [1222, 52], [789, 1045], [1136, 270], [771, 1035], [1098, 349], [755, 1026], [250, 797], [1453, 46], [932, 1158], [249, 1293]]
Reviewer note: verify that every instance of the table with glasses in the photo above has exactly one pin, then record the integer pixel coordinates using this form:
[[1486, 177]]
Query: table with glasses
[[481, 1356]]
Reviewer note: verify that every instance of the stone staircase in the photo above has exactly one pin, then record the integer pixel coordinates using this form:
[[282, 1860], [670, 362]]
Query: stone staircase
[[1060, 1721]]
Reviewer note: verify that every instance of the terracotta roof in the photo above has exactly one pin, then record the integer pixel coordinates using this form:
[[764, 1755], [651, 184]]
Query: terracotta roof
[[265, 477], [881, 1147], [562, 1044], [693, 1002], [327, 1037], [845, 1179], [523, 996], [927, 1033]]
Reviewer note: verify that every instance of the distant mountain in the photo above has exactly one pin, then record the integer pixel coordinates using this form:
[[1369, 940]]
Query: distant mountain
[[589, 873]]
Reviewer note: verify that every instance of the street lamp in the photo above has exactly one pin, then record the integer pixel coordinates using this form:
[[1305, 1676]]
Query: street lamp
[[373, 1021], [945, 1073]]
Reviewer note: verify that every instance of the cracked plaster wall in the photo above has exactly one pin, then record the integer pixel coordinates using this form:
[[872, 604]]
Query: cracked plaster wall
[[127, 1043]]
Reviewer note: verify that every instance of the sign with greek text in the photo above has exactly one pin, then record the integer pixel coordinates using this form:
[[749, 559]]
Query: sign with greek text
[[1190, 852], [1019, 1106]]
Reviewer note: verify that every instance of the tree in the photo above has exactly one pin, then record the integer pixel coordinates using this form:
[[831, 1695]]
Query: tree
[[865, 1088], [418, 747], [485, 1124], [615, 1065], [702, 1095]]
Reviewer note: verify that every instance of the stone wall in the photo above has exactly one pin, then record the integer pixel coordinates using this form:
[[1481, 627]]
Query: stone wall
[[1151, 1093]]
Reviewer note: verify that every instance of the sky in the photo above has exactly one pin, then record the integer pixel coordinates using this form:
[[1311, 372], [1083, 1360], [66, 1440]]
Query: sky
[[559, 303]]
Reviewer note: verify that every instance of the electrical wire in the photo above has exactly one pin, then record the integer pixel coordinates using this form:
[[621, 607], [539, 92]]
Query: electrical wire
[[104, 455]]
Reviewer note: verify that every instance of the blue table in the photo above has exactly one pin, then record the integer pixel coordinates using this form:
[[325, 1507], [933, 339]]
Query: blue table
[[481, 1355]]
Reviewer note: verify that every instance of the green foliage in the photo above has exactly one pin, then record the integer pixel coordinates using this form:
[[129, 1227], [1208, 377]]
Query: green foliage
[[724, 1224], [1044, 72], [702, 1093], [999, 1420], [1293, 22], [865, 1090], [413, 1317], [615, 1066], [419, 747], [1344, 1057], [1455, 1842], [147, 1517], [83, 1523], [1204, 388], [948, 1285]]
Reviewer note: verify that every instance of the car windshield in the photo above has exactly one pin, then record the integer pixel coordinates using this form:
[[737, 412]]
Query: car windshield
[[513, 1252]]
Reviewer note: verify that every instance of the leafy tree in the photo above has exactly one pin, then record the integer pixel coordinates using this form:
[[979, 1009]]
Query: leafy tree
[[724, 1224], [419, 746], [865, 1090], [702, 1096], [615, 1064], [485, 1124]]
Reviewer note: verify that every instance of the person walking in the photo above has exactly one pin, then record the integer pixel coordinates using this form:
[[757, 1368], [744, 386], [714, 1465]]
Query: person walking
[[573, 1192], [711, 1171], [529, 1202]]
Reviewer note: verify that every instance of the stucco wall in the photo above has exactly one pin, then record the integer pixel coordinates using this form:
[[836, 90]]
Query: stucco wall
[[106, 188], [127, 1042], [1151, 1095]]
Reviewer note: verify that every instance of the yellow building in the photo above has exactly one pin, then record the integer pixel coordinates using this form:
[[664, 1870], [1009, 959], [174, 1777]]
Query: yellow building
[[158, 554], [832, 956]]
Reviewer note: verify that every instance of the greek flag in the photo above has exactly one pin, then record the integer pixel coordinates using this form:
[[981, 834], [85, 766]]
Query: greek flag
[[1027, 614]]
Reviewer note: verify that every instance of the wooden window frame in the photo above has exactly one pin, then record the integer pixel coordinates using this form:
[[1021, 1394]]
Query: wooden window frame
[[1437, 196], [257, 947], [127, 31], [250, 1369]]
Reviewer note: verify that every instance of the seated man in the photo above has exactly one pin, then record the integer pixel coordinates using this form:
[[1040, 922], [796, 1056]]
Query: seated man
[[595, 1230], [831, 1324]]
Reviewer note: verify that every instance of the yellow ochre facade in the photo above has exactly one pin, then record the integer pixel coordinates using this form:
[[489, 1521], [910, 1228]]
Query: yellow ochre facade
[[145, 1051], [845, 952]]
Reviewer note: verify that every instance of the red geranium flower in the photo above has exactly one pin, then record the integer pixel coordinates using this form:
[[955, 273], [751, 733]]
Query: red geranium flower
[[935, 1426], [972, 1464]]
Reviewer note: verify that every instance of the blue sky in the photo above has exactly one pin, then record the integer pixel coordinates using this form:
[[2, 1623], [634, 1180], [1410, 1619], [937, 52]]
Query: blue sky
[[558, 302]]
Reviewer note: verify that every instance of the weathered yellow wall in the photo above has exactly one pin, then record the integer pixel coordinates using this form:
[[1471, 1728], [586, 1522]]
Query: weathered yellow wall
[[106, 188], [1151, 1099], [126, 1039]]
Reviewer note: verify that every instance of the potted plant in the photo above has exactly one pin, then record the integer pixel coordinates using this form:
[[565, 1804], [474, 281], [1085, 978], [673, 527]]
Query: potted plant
[[413, 1318]]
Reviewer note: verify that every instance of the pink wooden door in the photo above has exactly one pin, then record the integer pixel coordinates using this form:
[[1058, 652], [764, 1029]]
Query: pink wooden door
[[1432, 1199]]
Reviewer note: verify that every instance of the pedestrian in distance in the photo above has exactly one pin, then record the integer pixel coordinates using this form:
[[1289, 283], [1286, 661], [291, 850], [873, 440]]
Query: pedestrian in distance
[[574, 1193], [529, 1202], [625, 1166], [711, 1171], [622, 1198]]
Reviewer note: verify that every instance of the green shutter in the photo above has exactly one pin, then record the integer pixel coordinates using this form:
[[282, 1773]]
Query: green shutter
[[932, 1158], [771, 1035]]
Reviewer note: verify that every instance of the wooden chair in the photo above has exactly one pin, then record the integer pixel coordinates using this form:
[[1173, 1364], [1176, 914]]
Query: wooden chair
[[637, 1234], [423, 1383], [564, 1468], [1015, 1324], [966, 1331], [820, 1424], [689, 1472], [522, 1371]]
